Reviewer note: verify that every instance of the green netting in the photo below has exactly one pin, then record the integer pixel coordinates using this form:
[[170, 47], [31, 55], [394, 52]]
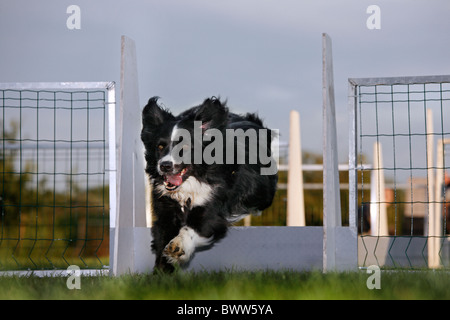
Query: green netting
[[394, 116], [53, 179]]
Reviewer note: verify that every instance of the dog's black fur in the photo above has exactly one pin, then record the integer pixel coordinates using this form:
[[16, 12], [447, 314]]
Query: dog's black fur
[[231, 190]]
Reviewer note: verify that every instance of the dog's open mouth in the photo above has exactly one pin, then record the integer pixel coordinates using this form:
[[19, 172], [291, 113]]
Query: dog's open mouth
[[173, 181]]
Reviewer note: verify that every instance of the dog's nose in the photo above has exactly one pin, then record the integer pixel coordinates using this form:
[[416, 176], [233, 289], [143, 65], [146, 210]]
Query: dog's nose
[[166, 166]]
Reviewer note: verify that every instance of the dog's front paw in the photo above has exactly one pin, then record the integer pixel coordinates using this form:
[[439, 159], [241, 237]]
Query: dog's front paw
[[174, 250], [181, 248]]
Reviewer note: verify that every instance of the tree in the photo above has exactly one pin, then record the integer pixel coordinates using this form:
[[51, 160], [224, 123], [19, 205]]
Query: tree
[[14, 184]]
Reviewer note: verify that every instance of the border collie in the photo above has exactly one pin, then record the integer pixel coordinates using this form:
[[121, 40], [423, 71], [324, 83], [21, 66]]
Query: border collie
[[208, 168]]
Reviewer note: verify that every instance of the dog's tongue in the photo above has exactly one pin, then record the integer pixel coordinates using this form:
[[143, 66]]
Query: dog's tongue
[[175, 179]]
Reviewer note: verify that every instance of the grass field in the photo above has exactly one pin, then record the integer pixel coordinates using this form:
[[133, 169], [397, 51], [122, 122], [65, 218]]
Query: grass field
[[235, 285]]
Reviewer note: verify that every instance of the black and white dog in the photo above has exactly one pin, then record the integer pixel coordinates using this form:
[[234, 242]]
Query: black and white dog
[[208, 168]]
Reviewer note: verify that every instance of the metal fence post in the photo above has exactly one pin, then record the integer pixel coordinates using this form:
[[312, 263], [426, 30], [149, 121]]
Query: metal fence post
[[353, 161]]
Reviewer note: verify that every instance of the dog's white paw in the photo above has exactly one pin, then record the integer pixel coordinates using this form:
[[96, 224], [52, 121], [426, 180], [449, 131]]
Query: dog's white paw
[[181, 248], [174, 251]]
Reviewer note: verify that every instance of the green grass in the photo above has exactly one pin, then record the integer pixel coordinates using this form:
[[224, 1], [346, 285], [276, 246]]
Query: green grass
[[235, 285]]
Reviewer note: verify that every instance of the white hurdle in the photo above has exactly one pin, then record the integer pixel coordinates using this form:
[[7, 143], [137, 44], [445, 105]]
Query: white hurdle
[[244, 248]]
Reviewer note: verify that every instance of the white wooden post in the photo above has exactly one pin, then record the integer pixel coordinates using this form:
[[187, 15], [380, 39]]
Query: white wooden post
[[378, 209], [131, 212], [295, 197], [434, 218], [430, 169], [331, 190]]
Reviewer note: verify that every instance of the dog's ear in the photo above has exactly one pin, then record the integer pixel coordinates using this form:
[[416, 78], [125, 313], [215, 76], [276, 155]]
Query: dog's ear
[[213, 114], [153, 115]]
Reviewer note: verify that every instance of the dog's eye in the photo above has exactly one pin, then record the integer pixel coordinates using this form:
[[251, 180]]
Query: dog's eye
[[160, 147]]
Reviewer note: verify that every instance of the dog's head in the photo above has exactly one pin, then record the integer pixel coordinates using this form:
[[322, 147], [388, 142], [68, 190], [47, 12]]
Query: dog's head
[[173, 143]]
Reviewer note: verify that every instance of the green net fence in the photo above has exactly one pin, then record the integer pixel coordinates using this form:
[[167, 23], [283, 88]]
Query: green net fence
[[402, 123], [54, 183]]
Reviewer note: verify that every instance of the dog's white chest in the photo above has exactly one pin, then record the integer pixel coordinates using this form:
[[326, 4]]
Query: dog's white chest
[[191, 193]]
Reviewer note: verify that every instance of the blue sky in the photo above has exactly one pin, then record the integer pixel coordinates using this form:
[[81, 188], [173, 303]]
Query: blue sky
[[262, 55]]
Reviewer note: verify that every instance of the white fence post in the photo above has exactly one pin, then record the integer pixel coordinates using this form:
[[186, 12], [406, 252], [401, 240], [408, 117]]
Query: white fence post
[[378, 208], [295, 197], [131, 212], [430, 170], [434, 218], [331, 190]]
